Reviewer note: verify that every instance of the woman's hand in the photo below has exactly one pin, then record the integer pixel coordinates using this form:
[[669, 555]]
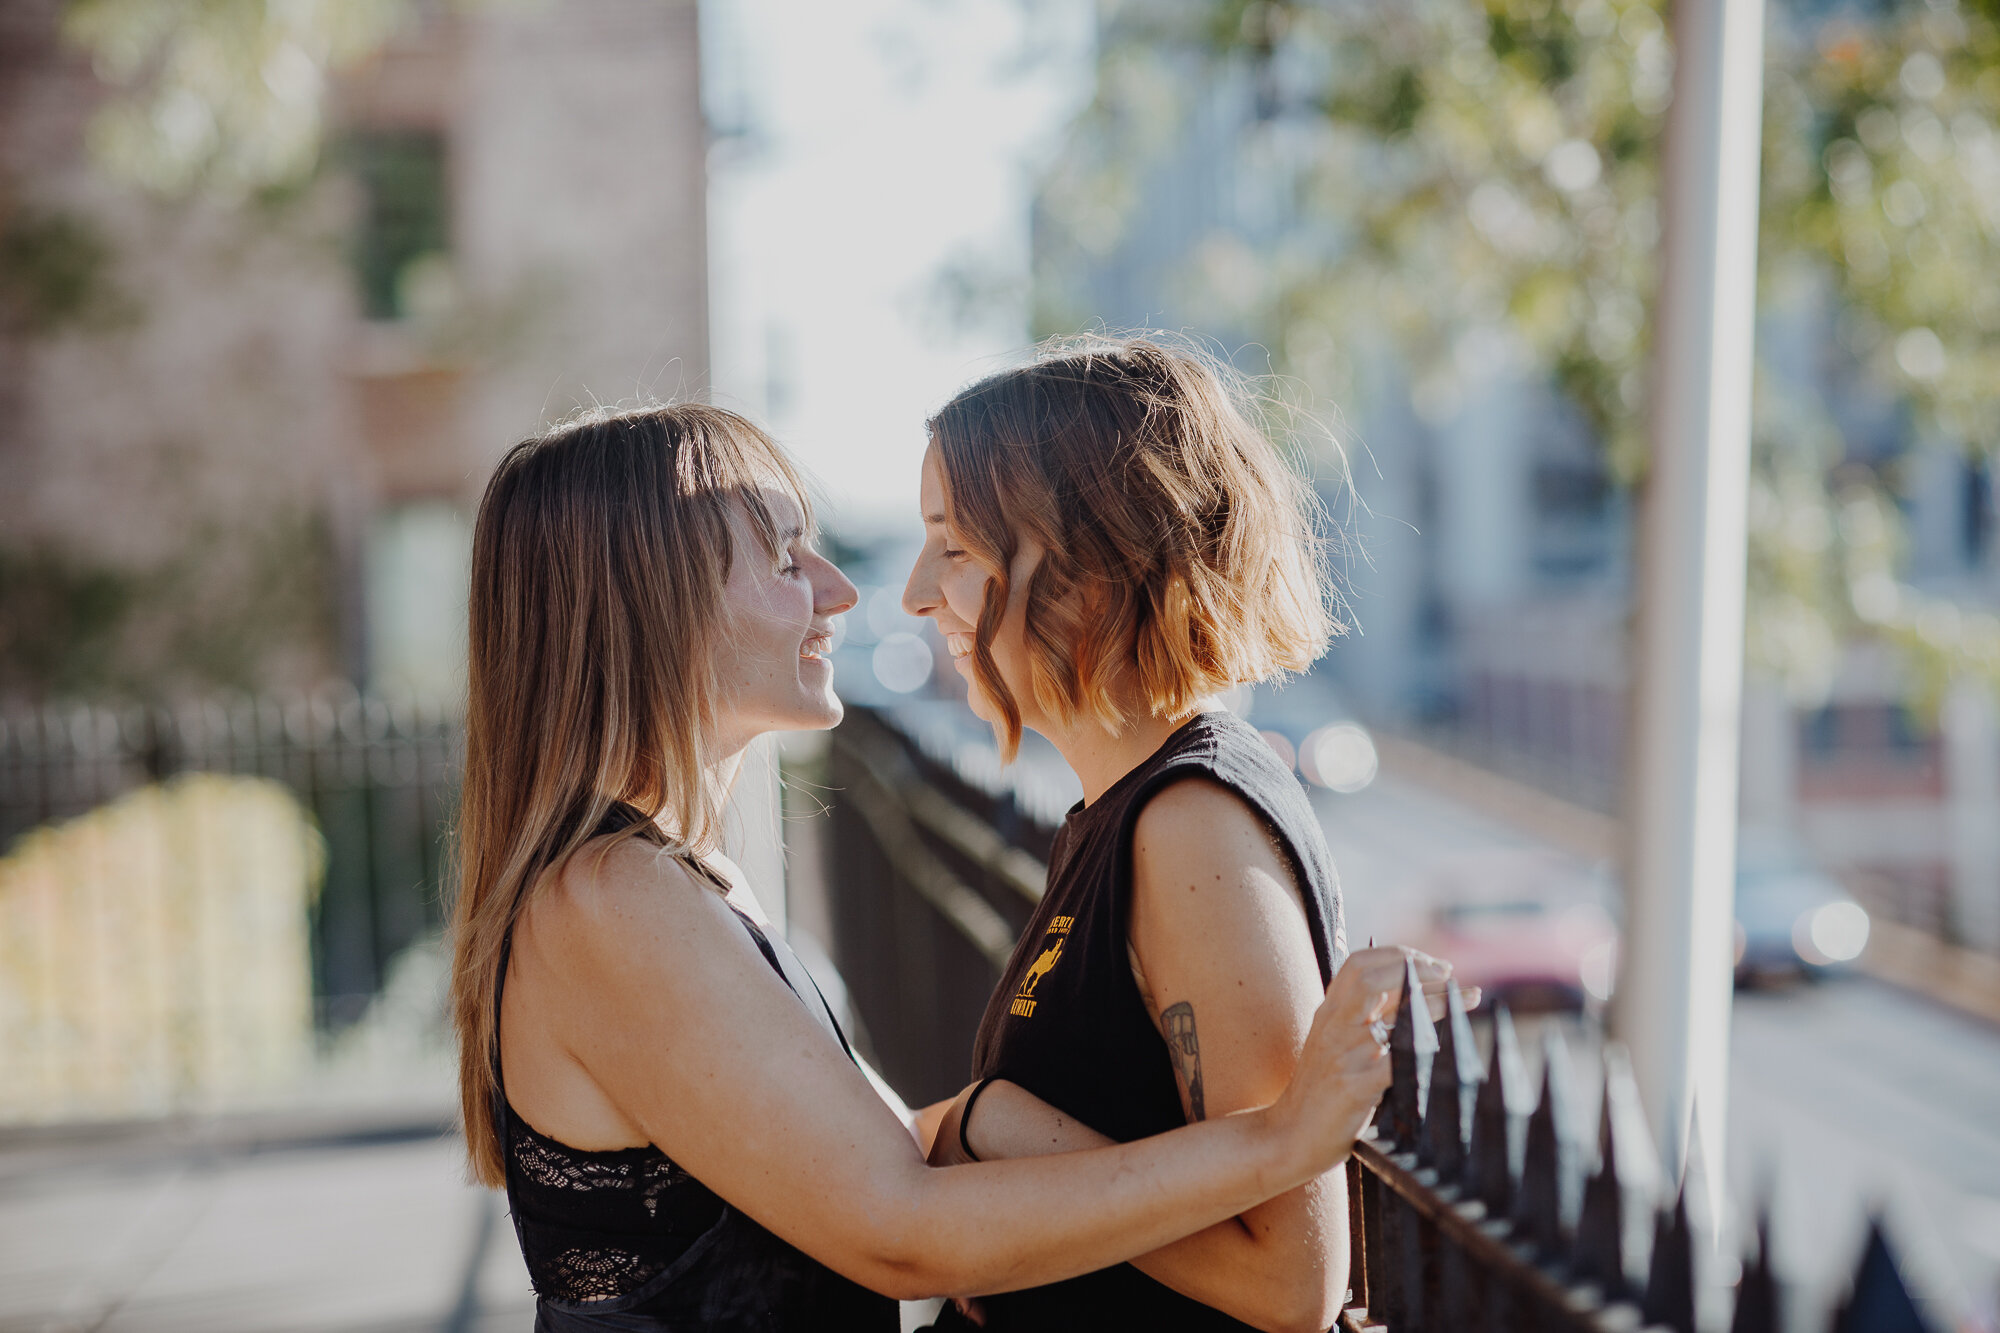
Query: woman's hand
[[1344, 1069]]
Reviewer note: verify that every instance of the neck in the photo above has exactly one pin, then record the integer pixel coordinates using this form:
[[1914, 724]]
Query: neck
[[1100, 758]]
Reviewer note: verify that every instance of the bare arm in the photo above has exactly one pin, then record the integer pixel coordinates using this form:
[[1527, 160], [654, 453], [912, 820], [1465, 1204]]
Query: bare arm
[[1225, 1265], [1219, 929], [674, 1016]]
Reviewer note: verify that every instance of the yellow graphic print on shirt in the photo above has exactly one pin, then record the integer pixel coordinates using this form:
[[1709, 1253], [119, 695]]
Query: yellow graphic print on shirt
[[1024, 1001]]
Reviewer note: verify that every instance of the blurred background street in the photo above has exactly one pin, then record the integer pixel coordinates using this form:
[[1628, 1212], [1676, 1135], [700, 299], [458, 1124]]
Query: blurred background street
[[279, 282]]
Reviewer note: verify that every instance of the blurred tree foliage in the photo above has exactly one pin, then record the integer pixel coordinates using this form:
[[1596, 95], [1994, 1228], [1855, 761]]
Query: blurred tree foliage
[[56, 272], [222, 99], [1457, 167], [232, 603], [223, 96]]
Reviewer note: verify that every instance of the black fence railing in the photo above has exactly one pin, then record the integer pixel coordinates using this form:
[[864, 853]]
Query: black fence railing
[[1472, 1210], [377, 776], [954, 872], [1476, 1203]]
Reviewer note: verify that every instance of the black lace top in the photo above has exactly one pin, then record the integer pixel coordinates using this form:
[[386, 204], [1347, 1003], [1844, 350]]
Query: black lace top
[[597, 1225], [626, 1239]]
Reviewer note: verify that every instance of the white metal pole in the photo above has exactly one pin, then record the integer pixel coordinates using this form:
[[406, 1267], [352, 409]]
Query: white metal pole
[[1672, 1005]]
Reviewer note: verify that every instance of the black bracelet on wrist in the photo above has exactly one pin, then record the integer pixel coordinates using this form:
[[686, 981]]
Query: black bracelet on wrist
[[965, 1116]]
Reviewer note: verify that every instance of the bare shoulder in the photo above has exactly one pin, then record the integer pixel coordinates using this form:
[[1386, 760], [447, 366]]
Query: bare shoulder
[[1198, 822], [1194, 795], [1204, 861], [618, 900]]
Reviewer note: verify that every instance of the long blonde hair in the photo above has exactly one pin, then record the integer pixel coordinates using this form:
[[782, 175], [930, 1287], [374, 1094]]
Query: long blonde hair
[[598, 562]]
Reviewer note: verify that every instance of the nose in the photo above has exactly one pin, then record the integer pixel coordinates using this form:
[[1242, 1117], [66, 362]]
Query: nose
[[920, 593], [833, 591]]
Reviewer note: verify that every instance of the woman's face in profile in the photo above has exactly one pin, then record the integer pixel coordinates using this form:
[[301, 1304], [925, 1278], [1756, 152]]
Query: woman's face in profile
[[949, 586], [774, 668]]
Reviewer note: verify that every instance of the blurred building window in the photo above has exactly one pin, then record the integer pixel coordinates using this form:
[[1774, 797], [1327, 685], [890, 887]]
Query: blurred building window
[[419, 557], [405, 216], [1977, 496], [1889, 731], [1574, 527]]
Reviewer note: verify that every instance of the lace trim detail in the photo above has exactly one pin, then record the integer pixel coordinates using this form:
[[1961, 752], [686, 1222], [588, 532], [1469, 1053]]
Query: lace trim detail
[[595, 1275], [545, 1163]]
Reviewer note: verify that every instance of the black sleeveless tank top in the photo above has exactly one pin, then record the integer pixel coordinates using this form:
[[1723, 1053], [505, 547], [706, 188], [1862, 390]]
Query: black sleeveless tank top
[[626, 1240], [1068, 1022]]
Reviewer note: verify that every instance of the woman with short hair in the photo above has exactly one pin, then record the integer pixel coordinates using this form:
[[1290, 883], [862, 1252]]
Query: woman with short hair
[[684, 1137], [1112, 541]]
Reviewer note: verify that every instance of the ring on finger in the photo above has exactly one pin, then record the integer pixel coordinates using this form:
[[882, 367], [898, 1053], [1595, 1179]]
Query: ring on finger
[[1379, 1030]]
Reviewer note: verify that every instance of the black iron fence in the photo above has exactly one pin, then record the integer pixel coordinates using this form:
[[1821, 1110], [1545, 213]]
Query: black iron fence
[[377, 775], [952, 873], [1476, 1202], [1472, 1208]]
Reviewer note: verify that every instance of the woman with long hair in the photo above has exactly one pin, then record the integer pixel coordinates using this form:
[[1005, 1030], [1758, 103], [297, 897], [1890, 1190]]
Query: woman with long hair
[[684, 1137], [1112, 542]]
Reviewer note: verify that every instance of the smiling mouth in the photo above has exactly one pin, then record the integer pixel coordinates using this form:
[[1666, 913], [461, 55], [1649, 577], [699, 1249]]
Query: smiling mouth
[[815, 648], [960, 645]]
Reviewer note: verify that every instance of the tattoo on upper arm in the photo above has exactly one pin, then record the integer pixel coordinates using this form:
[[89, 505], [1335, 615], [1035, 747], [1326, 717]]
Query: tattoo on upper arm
[[1177, 1025]]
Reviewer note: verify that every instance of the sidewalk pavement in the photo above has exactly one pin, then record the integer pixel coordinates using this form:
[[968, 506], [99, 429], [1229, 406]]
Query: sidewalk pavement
[[361, 1224]]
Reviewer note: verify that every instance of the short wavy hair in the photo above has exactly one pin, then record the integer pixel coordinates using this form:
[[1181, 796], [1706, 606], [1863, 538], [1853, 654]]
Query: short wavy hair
[[1182, 554]]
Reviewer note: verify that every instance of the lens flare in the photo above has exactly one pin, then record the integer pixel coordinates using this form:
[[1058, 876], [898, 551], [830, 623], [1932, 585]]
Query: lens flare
[[1340, 757], [1831, 933], [902, 663]]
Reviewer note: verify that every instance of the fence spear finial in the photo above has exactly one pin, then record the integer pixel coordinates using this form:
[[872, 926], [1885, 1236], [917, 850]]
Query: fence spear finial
[[1413, 1044], [1880, 1302], [1550, 1172], [1498, 1121], [1670, 1283], [1455, 1079], [1758, 1305], [1614, 1226]]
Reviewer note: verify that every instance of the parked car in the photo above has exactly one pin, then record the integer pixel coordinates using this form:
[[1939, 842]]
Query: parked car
[[1792, 918], [1531, 929]]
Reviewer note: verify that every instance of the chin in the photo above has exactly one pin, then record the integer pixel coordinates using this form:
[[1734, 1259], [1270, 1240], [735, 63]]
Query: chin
[[985, 711], [821, 714], [977, 699], [800, 715]]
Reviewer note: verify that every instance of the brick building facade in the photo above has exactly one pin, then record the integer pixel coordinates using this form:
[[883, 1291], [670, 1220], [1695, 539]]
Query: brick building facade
[[257, 428]]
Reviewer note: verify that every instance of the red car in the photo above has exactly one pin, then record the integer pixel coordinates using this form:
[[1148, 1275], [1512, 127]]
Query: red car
[[1530, 929]]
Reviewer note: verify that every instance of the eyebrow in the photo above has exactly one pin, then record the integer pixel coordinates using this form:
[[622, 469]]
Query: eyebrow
[[934, 518]]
